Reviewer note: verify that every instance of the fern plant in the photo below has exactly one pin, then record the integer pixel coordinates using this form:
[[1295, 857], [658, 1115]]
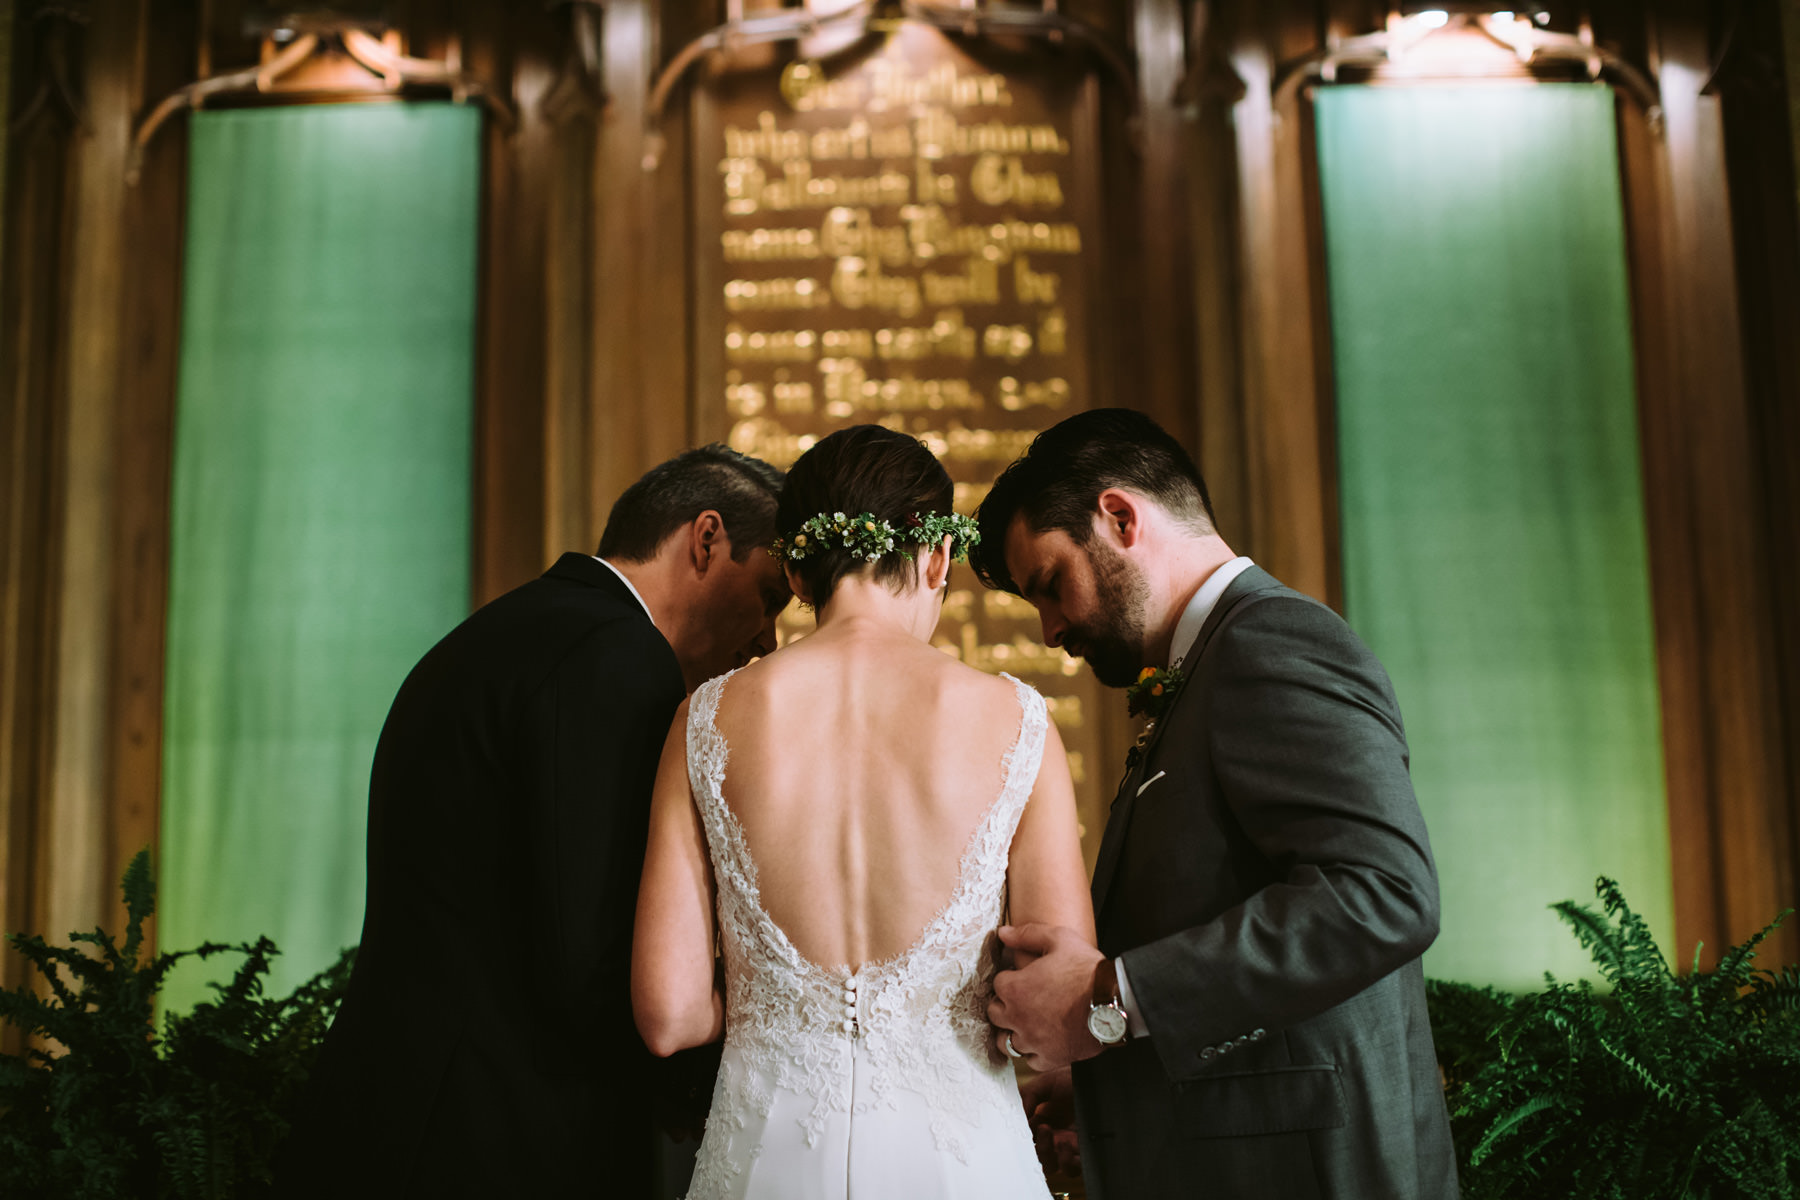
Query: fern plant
[[115, 1110], [1667, 1086]]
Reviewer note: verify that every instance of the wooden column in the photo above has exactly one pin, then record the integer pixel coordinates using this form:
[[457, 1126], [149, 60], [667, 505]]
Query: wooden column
[[1153, 235], [514, 51], [35, 252], [144, 383], [640, 399], [1729, 806], [1289, 463], [1212, 91]]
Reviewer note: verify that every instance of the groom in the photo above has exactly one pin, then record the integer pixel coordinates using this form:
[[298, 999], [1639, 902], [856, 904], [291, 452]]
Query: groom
[[486, 1046], [1252, 1023]]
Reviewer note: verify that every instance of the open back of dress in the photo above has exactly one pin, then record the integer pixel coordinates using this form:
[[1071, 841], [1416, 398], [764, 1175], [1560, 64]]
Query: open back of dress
[[872, 1082]]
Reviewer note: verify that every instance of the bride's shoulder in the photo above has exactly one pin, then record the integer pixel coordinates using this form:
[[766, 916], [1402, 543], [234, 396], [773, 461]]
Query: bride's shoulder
[[986, 687]]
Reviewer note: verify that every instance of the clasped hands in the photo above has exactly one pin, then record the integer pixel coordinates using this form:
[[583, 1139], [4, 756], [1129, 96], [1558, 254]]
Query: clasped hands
[[1041, 999]]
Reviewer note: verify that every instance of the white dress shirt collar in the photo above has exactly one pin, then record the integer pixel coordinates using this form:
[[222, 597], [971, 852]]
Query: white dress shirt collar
[[635, 595], [1193, 618]]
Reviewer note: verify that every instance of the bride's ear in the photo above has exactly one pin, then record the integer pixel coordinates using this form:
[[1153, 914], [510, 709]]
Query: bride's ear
[[936, 570]]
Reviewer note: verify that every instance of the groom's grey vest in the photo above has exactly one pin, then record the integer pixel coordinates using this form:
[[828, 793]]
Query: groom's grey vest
[[1265, 875]]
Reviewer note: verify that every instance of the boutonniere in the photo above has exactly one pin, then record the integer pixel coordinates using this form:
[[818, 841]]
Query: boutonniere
[[1151, 695], [1153, 691]]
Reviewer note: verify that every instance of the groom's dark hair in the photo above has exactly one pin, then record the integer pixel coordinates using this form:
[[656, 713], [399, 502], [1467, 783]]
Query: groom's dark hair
[[1056, 483], [670, 495]]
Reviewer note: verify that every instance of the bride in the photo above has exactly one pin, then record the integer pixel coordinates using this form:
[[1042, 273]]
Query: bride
[[858, 810]]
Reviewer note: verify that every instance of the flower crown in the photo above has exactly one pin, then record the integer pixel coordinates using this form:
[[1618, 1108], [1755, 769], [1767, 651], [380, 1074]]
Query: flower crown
[[868, 537]]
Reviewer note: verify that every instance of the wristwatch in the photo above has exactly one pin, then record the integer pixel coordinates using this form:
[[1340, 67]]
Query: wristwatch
[[1106, 1015]]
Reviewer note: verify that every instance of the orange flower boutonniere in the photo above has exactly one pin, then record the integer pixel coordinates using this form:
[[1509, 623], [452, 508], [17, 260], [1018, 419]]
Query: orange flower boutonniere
[[1153, 691]]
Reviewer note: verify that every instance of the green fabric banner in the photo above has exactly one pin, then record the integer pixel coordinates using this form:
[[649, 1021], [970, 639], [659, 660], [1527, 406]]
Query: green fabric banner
[[1494, 550], [321, 506]]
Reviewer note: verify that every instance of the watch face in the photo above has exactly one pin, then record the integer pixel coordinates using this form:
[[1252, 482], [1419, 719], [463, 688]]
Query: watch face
[[1107, 1024]]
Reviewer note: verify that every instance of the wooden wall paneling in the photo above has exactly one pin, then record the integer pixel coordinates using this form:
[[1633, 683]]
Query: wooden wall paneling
[[33, 288], [704, 129], [1212, 90], [149, 332], [1149, 235], [1753, 82], [1789, 21], [625, 298], [1108, 205], [1674, 599], [7, 16], [515, 52], [1284, 431], [1709, 576], [667, 199], [573, 108], [76, 843]]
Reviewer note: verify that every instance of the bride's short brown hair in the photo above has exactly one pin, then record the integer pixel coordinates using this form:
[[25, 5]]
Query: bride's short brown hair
[[865, 468]]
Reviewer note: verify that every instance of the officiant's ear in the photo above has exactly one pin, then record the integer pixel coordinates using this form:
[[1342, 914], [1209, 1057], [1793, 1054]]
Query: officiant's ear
[[1121, 517], [707, 541]]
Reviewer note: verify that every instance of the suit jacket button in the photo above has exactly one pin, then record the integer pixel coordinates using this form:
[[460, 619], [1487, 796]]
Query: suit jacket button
[[1208, 1054], [1257, 1036], [1224, 1047]]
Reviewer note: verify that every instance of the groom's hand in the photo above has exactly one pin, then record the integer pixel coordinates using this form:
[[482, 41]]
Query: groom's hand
[[1044, 1004]]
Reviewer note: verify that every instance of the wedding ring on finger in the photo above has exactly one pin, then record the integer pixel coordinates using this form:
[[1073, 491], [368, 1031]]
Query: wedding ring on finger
[[1008, 1047]]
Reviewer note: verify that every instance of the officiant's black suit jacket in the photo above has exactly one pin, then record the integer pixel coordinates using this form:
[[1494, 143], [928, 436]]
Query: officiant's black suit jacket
[[1266, 877], [486, 1046]]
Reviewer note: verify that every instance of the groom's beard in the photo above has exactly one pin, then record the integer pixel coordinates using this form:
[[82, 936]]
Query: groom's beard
[[1113, 642]]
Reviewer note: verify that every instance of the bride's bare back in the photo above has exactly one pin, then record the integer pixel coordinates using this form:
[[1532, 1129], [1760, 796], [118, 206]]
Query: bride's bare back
[[861, 763]]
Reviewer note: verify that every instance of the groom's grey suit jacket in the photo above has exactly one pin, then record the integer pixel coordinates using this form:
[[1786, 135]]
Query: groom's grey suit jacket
[[1266, 877]]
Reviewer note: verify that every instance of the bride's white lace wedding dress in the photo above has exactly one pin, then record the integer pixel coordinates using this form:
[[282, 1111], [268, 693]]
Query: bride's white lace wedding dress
[[874, 1082]]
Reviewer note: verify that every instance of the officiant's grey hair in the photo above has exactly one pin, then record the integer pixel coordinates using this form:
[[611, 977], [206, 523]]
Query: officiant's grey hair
[[671, 495]]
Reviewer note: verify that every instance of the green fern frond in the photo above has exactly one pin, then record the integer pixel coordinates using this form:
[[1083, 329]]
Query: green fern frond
[[1775, 993], [1595, 934], [1508, 1124], [139, 889], [1735, 971], [193, 1114], [1689, 1085]]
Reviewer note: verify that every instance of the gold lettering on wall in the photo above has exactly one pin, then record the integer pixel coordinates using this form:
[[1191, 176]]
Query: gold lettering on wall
[[895, 240]]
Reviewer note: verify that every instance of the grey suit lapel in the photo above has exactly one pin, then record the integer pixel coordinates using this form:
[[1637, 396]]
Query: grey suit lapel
[[1252, 580], [1113, 840]]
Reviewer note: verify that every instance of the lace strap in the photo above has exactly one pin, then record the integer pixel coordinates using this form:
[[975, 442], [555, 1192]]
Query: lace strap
[[707, 754], [705, 748], [984, 862], [1022, 762]]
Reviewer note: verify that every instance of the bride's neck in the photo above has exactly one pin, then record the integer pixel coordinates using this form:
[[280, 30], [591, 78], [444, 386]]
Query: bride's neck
[[862, 605]]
